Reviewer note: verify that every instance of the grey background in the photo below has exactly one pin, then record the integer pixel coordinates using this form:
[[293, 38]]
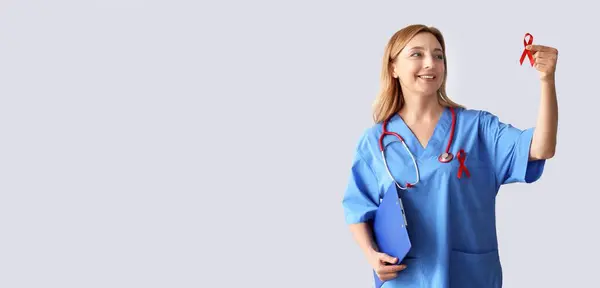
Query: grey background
[[189, 144]]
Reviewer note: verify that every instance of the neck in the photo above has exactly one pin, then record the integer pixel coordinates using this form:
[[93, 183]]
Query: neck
[[420, 109]]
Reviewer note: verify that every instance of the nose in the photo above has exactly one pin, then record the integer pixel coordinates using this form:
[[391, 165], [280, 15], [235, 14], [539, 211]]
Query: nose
[[429, 62]]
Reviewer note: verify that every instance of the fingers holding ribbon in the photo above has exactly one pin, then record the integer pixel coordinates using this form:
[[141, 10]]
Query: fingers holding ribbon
[[542, 58]]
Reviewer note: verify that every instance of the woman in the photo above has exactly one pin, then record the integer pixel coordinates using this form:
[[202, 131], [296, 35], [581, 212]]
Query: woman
[[458, 160]]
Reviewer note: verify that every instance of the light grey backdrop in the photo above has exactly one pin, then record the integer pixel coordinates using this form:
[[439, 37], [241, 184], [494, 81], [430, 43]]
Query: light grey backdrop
[[187, 144]]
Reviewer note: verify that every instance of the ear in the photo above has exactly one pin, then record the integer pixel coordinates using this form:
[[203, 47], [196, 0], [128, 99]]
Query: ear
[[393, 70]]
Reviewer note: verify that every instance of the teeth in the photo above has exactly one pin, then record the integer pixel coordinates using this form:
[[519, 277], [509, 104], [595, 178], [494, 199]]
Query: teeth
[[426, 76]]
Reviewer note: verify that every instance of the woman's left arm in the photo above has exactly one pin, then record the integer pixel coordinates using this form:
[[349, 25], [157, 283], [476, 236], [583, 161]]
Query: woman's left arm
[[543, 145]]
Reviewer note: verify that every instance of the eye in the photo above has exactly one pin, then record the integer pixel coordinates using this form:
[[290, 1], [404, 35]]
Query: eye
[[415, 54], [441, 57]]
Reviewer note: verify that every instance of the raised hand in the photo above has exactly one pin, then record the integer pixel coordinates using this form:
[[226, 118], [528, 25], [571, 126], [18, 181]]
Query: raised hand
[[545, 59]]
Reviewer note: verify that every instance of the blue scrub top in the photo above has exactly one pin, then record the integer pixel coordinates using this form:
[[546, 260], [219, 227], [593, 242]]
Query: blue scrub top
[[451, 221]]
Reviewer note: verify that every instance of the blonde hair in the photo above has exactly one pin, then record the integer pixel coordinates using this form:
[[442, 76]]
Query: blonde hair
[[390, 99]]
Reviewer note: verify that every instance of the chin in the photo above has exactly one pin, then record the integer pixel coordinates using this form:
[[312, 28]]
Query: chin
[[428, 91]]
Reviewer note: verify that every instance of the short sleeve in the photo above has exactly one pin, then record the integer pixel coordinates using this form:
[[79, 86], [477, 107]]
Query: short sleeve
[[361, 195], [509, 150]]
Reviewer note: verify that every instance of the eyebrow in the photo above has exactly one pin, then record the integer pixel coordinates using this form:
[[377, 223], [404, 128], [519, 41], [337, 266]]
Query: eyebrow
[[421, 48]]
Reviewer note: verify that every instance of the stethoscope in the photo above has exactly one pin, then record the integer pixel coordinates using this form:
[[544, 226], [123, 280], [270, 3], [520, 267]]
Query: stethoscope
[[445, 157]]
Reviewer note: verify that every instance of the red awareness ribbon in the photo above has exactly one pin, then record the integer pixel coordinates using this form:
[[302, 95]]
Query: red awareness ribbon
[[462, 168], [525, 51]]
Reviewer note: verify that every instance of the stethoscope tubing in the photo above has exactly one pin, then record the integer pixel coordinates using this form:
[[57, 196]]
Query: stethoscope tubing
[[445, 157]]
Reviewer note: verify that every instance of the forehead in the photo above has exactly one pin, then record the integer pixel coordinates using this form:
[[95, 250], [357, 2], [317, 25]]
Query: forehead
[[423, 41]]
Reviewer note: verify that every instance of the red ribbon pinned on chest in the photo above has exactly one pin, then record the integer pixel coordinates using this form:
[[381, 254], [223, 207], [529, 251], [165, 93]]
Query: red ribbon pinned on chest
[[461, 160], [525, 51]]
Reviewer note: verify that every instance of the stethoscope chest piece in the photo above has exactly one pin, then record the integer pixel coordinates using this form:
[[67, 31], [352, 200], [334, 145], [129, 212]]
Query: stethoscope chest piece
[[445, 157]]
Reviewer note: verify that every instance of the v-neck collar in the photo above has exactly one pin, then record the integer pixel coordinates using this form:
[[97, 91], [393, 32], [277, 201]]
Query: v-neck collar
[[435, 145]]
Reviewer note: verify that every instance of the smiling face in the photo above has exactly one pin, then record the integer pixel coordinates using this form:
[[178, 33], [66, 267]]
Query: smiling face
[[420, 66]]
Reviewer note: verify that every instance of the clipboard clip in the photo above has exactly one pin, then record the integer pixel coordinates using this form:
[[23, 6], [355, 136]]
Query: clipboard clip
[[402, 209], [399, 202]]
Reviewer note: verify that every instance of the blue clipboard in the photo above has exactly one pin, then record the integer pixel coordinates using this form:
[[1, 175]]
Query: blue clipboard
[[390, 228]]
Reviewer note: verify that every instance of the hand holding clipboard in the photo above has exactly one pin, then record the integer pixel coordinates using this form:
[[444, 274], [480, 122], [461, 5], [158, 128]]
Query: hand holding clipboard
[[385, 266]]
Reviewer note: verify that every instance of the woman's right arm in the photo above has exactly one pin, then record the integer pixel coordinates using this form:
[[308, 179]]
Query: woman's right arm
[[359, 208], [384, 265], [363, 235]]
